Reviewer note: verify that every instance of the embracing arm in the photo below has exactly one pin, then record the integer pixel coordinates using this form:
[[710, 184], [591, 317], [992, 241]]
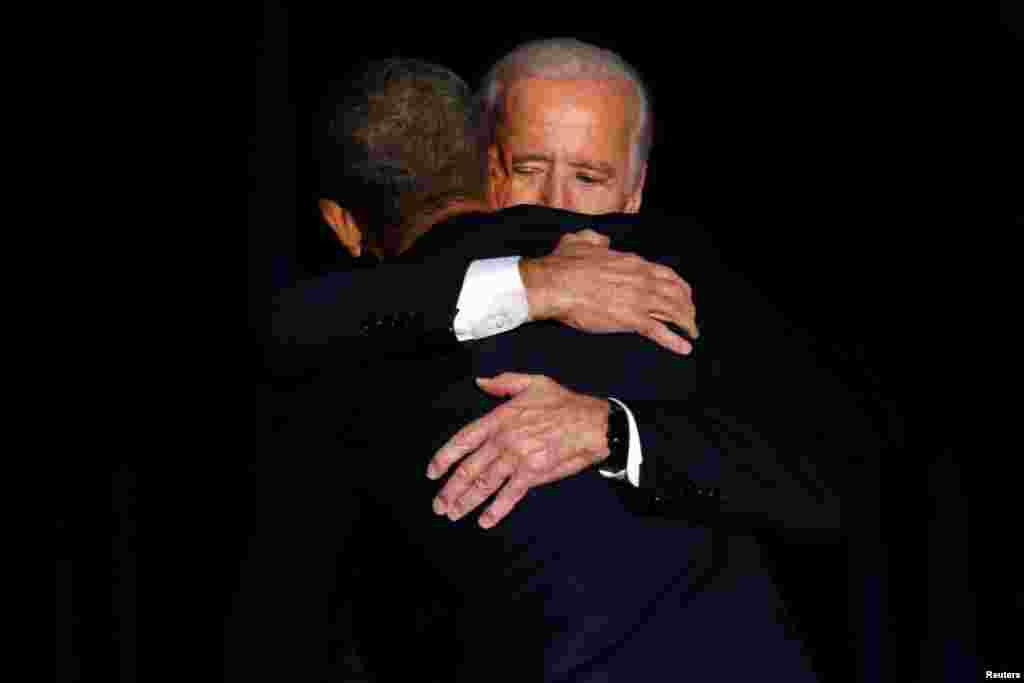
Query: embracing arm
[[426, 308], [694, 462]]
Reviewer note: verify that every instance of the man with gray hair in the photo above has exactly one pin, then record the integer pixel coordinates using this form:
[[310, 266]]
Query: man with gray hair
[[570, 126]]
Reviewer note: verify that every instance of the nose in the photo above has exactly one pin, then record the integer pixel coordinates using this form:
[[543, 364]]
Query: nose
[[554, 194]]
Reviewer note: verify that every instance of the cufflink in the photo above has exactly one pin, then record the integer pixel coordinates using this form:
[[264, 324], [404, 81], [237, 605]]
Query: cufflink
[[499, 322]]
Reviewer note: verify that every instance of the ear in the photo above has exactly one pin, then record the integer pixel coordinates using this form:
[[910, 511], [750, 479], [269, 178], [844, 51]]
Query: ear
[[636, 198], [495, 177], [344, 226]]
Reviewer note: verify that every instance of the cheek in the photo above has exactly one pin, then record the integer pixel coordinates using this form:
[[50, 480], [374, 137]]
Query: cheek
[[518, 191], [502, 191], [599, 202]]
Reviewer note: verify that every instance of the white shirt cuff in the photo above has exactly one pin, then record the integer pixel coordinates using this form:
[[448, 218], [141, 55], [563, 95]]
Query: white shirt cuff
[[634, 457], [492, 300]]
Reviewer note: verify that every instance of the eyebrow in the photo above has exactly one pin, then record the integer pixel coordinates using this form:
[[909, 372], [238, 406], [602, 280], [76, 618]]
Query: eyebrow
[[532, 157], [599, 166]]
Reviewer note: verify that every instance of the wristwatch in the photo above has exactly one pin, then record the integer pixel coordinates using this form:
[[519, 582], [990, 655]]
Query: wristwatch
[[618, 439]]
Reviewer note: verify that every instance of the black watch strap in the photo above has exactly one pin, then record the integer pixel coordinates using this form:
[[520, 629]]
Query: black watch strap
[[618, 439]]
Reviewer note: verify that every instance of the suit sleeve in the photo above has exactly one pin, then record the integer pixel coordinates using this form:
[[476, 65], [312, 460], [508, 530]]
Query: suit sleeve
[[771, 439], [401, 308], [704, 464], [346, 318], [768, 437]]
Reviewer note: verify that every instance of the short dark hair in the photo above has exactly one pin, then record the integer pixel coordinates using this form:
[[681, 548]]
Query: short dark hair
[[395, 141]]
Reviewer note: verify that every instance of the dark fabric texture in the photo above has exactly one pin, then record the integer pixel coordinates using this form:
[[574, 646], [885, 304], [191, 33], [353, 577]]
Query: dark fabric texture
[[588, 579]]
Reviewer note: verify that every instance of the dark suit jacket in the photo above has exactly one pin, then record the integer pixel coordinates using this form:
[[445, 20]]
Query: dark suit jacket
[[338, 331], [339, 327]]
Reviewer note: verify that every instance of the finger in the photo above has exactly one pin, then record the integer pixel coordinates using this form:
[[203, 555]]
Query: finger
[[463, 477], [590, 237], [482, 487], [680, 289], [516, 450], [663, 272], [463, 442], [688, 330], [668, 301], [509, 496], [648, 270], [633, 260], [505, 384], [669, 308], [659, 333]]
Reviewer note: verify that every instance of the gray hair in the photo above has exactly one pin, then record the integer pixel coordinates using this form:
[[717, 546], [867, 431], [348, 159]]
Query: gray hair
[[565, 59]]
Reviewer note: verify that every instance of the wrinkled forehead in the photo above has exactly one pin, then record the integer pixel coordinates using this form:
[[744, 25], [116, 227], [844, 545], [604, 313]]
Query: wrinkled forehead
[[613, 105]]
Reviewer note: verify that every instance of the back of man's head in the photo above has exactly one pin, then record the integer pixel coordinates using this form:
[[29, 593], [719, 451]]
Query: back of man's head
[[397, 141]]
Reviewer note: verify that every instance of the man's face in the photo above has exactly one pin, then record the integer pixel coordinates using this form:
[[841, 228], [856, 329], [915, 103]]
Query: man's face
[[566, 144]]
